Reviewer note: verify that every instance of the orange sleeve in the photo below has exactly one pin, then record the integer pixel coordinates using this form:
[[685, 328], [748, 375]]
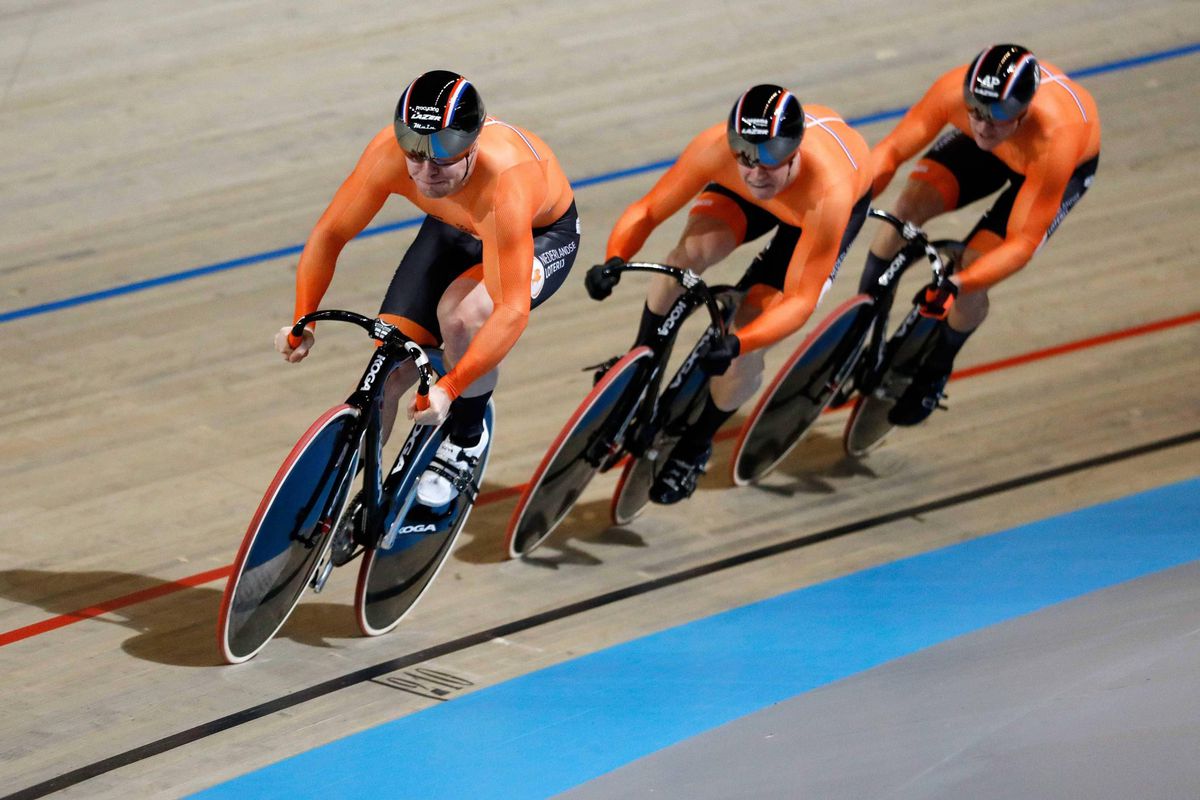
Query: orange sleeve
[[1034, 209], [353, 207], [683, 181], [923, 122], [811, 264], [507, 235]]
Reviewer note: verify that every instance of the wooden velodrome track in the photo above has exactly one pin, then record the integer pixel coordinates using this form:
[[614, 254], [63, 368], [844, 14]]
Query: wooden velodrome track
[[138, 429]]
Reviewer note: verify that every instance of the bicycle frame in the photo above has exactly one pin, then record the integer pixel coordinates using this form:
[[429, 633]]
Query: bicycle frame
[[883, 292], [395, 348], [644, 419]]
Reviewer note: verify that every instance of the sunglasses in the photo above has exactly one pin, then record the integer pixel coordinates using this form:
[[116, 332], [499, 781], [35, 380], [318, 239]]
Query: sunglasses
[[752, 163], [420, 158]]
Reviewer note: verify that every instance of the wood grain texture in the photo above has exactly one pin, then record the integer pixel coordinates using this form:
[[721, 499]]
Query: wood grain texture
[[137, 433]]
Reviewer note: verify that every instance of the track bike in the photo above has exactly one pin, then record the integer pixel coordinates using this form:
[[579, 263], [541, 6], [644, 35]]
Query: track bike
[[625, 420], [848, 353], [289, 545]]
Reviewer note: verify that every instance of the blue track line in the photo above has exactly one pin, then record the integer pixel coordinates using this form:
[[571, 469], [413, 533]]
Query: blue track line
[[607, 177]]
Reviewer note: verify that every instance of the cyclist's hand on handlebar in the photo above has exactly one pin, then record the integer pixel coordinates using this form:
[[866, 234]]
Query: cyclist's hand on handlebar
[[435, 412], [283, 343], [717, 354], [600, 283], [934, 300]]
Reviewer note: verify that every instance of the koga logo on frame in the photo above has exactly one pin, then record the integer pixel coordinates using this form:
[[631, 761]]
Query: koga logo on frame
[[371, 373], [670, 321]]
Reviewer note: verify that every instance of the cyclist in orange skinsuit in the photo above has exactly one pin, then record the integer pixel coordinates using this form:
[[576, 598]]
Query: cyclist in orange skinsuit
[[500, 237], [1017, 121], [774, 164]]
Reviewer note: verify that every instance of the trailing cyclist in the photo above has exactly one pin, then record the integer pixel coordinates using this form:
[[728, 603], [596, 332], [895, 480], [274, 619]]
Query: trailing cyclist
[[1019, 124], [500, 235], [773, 165]]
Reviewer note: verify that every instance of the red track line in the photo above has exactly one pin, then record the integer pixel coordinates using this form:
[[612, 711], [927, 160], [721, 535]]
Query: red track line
[[1082, 344], [497, 495], [112, 605]]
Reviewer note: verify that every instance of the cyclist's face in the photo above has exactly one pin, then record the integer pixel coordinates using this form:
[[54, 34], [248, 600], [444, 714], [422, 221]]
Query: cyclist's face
[[766, 182], [436, 180], [988, 133]]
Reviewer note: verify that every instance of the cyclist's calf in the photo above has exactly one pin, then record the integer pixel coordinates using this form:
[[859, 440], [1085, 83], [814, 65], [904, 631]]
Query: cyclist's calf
[[739, 383]]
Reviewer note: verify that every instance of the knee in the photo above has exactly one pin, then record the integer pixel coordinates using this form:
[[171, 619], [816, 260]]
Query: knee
[[400, 378], [747, 369], [970, 310], [460, 322], [919, 203]]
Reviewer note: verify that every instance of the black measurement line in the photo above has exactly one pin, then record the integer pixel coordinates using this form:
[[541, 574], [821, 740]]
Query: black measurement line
[[77, 776]]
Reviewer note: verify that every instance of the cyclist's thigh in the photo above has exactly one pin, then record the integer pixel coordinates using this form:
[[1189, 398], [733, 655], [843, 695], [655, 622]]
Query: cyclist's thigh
[[747, 220], [960, 171], [554, 251], [717, 223], [438, 255], [991, 230], [763, 280], [765, 277]]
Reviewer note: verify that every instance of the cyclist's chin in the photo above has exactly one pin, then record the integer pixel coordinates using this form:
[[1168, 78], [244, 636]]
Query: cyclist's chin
[[988, 143], [763, 192], [437, 189]]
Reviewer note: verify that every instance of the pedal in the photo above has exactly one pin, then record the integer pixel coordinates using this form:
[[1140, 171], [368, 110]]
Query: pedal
[[324, 569]]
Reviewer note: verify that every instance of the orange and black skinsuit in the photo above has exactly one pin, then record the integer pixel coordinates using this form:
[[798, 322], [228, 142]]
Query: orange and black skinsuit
[[817, 217], [512, 225], [1048, 162]]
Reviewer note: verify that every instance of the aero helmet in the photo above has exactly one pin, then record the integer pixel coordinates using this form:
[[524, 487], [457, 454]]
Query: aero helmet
[[765, 126], [439, 116], [1001, 81]]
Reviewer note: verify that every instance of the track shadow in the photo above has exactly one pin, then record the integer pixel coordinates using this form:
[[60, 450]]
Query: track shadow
[[177, 628], [814, 466], [482, 541]]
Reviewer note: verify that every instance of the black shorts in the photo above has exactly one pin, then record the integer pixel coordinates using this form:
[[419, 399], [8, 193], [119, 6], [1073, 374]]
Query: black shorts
[[441, 253], [770, 266], [979, 173]]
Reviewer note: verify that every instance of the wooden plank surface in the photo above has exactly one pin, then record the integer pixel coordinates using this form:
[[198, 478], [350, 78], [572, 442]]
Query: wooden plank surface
[[138, 432]]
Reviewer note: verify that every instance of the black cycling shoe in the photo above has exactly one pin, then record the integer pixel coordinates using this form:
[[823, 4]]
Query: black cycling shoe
[[344, 546], [602, 368], [679, 476], [919, 400]]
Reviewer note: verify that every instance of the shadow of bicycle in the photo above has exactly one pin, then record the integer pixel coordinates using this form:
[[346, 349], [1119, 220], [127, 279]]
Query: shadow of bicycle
[[482, 541], [177, 628], [817, 464]]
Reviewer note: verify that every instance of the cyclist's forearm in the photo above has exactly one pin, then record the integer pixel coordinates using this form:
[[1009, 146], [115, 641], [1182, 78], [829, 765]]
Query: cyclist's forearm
[[315, 270], [782, 320]]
